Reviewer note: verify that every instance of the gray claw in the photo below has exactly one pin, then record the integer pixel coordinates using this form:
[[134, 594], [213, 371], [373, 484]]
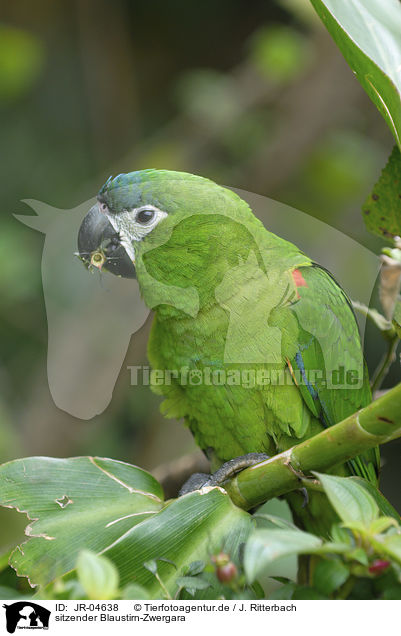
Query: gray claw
[[195, 482], [226, 471]]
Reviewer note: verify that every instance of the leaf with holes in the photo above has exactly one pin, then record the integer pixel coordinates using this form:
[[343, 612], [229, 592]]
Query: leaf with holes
[[74, 504], [382, 209], [116, 510]]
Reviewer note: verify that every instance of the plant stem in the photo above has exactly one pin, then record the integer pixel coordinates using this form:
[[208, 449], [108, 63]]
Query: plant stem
[[165, 590], [312, 484], [385, 363], [376, 317], [345, 590], [377, 423]]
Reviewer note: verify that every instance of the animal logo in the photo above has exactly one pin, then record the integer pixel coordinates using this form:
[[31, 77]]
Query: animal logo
[[26, 615]]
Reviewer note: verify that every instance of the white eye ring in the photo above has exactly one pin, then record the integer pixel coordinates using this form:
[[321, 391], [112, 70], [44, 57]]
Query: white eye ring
[[143, 225], [130, 229], [145, 215]]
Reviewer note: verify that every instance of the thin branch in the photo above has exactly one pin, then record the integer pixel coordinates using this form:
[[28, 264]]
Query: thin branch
[[385, 363], [389, 333], [375, 316]]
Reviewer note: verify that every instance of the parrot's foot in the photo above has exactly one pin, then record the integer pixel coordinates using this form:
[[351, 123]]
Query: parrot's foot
[[195, 482], [226, 471]]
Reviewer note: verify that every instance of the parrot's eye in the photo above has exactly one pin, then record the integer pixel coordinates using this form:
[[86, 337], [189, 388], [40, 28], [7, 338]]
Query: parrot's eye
[[103, 207], [145, 216]]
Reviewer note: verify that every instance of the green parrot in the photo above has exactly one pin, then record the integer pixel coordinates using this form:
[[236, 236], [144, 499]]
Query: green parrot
[[259, 345]]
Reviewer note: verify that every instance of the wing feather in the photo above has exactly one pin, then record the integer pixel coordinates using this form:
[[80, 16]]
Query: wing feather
[[329, 358]]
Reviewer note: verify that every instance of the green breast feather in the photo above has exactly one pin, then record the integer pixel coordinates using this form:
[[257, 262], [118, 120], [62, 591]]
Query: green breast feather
[[318, 379]]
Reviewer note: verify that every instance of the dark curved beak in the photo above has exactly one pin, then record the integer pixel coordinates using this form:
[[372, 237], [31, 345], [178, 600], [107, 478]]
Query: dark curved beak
[[99, 245]]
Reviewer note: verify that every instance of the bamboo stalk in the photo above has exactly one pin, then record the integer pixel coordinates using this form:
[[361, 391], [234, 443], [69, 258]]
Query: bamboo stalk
[[377, 423]]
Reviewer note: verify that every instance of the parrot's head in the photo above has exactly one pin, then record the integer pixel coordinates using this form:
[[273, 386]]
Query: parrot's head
[[173, 224]]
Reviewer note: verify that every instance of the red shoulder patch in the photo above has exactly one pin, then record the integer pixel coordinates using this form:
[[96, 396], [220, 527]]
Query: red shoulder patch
[[298, 278]]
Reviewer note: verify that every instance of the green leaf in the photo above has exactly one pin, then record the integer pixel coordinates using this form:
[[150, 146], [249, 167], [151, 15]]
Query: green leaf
[[7, 593], [114, 508], [357, 527], [135, 592], [281, 579], [397, 318], [368, 34], [358, 555], [392, 546], [332, 547], [188, 529], [75, 504], [304, 593], [264, 546], [392, 593], [329, 575], [151, 565], [350, 500], [97, 575], [382, 524], [60, 589], [342, 535], [165, 560], [192, 583], [273, 520], [382, 208], [196, 567], [283, 593], [4, 559], [385, 506]]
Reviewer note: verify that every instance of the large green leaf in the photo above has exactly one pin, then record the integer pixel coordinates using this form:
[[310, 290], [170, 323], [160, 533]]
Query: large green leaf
[[83, 502], [116, 510], [368, 34], [188, 529]]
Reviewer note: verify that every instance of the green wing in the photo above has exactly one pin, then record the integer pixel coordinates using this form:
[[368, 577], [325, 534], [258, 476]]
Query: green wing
[[328, 365]]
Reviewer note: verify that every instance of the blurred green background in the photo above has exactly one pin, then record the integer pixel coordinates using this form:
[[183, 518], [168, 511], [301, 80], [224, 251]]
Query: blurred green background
[[250, 95]]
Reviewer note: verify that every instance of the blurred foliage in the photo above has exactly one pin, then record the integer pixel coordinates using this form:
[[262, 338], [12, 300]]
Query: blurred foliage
[[22, 57], [279, 52], [258, 99]]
